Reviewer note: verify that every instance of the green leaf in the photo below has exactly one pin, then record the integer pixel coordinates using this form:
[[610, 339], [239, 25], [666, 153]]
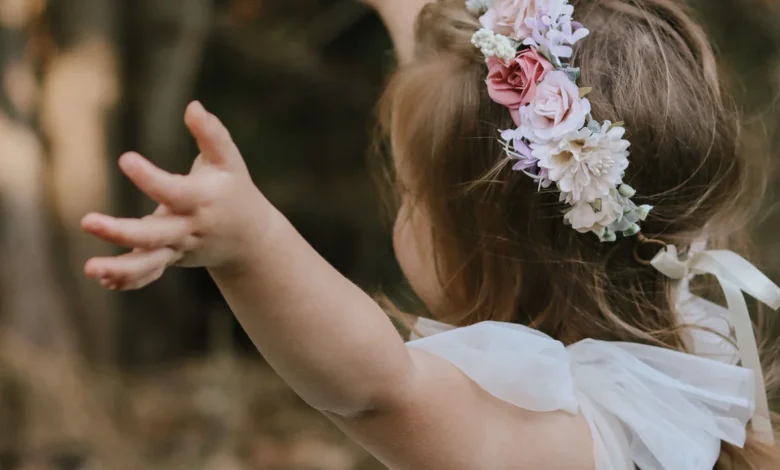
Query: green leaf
[[573, 73], [584, 91]]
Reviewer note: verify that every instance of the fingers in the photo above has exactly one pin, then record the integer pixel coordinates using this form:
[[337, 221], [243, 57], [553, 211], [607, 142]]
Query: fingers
[[131, 270], [133, 284], [163, 187], [212, 137], [155, 231], [161, 210]]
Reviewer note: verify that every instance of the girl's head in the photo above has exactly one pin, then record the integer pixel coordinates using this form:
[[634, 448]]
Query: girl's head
[[479, 242]]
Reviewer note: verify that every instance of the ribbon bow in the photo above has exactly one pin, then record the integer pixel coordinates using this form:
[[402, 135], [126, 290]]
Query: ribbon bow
[[735, 275]]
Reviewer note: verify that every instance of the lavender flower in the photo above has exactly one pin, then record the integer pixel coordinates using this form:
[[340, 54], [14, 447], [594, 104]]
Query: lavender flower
[[518, 150], [554, 31]]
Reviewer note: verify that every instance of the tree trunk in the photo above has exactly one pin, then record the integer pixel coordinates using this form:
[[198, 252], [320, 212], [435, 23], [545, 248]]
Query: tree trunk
[[31, 301], [80, 90], [172, 35]]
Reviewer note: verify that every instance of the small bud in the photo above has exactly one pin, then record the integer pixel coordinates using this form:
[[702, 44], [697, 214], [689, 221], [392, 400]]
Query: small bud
[[643, 211], [477, 7], [631, 231], [608, 236], [626, 190]]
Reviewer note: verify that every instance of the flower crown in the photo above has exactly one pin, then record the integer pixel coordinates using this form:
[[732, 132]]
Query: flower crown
[[527, 46]]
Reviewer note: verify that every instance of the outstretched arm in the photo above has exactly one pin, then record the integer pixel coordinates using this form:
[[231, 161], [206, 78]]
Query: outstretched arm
[[321, 333], [399, 17]]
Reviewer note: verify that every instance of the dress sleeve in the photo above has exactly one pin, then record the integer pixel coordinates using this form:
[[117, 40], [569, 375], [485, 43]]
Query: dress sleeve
[[513, 363], [674, 409], [646, 406]]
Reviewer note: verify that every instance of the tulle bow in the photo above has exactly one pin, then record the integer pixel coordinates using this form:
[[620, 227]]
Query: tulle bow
[[735, 275]]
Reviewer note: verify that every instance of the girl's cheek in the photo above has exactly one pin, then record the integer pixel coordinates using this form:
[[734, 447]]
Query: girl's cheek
[[414, 251], [401, 240]]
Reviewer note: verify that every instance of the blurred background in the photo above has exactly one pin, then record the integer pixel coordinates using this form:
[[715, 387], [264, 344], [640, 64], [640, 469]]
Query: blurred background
[[163, 378]]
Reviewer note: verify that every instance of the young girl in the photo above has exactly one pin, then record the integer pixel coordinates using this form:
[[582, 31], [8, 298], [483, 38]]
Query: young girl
[[557, 262]]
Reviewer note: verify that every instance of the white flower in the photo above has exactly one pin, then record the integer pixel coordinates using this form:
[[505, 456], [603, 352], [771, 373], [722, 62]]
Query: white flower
[[555, 111], [594, 216], [477, 7], [494, 45], [585, 164]]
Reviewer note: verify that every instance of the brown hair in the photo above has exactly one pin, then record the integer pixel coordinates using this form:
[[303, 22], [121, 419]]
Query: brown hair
[[502, 251]]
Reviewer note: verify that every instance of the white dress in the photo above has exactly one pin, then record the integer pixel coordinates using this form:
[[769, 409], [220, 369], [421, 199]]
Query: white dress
[[646, 406]]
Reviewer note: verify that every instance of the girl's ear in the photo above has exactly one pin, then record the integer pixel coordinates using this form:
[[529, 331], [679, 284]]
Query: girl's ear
[[399, 17]]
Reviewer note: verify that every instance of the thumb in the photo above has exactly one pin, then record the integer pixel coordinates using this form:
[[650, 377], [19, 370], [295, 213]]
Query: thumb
[[212, 137]]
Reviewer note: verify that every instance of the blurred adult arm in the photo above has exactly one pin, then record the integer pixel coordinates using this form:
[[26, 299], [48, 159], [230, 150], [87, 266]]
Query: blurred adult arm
[[399, 17]]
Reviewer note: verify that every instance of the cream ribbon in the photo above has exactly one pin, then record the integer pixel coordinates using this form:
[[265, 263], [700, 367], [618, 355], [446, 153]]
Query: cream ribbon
[[735, 275]]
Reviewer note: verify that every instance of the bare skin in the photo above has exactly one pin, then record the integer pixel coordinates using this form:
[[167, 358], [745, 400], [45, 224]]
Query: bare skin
[[324, 336], [399, 17]]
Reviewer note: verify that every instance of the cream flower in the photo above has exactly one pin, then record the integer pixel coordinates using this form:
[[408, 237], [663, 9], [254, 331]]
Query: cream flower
[[555, 111], [585, 164], [594, 216]]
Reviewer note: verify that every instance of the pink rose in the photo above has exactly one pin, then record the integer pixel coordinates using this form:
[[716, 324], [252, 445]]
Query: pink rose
[[507, 17], [513, 84], [555, 110]]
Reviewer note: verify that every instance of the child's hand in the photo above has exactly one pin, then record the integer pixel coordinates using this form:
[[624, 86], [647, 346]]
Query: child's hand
[[204, 218]]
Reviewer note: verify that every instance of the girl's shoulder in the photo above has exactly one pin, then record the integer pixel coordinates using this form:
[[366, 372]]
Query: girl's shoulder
[[649, 406]]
